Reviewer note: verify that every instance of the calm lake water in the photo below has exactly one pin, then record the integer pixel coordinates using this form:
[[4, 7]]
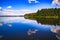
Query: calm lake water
[[19, 28]]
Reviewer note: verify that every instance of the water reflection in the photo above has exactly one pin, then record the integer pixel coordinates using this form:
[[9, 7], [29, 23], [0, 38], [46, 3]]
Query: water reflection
[[1, 24], [55, 22], [57, 31], [32, 32], [1, 36], [46, 21], [19, 28], [10, 25], [5, 20], [49, 21]]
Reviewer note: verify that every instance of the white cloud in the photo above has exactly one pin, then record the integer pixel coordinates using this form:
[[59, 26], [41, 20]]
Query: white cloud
[[30, 1], [0, 8], [16, 12], [9, 6], [54, 2]]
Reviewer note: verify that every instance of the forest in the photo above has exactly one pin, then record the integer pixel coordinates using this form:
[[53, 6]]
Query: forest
[[45, 13], [45, 16]]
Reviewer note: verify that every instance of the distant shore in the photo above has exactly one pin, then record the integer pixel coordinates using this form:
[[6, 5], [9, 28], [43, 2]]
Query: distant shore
[[44, 13], [11, 15]]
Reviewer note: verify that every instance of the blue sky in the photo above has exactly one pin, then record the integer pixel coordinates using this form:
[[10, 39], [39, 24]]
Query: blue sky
[[24, 4], [32, 5]]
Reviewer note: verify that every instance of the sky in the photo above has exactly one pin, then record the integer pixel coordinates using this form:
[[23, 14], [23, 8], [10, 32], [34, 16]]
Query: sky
[[25, 6]]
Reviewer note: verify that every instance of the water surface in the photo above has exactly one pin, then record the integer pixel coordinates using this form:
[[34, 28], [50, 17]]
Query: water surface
[[19, 28]]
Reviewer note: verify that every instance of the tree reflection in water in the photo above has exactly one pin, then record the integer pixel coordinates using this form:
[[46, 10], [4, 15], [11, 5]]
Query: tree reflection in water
[[45, 21]]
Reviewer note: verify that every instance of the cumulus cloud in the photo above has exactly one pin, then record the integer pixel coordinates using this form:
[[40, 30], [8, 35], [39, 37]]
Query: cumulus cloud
[[9, 6], [30, 1], [54, 2]]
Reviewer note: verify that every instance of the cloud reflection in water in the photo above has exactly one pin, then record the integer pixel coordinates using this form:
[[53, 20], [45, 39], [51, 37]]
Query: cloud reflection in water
[[57, 31]]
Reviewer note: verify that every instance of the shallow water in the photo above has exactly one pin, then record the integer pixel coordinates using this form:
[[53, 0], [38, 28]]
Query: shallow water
[[19, 28]]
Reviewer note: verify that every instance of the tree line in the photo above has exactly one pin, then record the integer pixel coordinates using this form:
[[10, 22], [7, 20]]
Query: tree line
[[45, 13]]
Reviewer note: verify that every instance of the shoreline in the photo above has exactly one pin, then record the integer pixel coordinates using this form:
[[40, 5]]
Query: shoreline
[[11, 15]]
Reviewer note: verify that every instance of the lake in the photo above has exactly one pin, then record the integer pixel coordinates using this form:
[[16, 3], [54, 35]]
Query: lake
[[19, 28]]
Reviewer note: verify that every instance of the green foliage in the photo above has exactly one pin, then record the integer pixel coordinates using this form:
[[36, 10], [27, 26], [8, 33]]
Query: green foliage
[[46, 16], [45, 13]]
